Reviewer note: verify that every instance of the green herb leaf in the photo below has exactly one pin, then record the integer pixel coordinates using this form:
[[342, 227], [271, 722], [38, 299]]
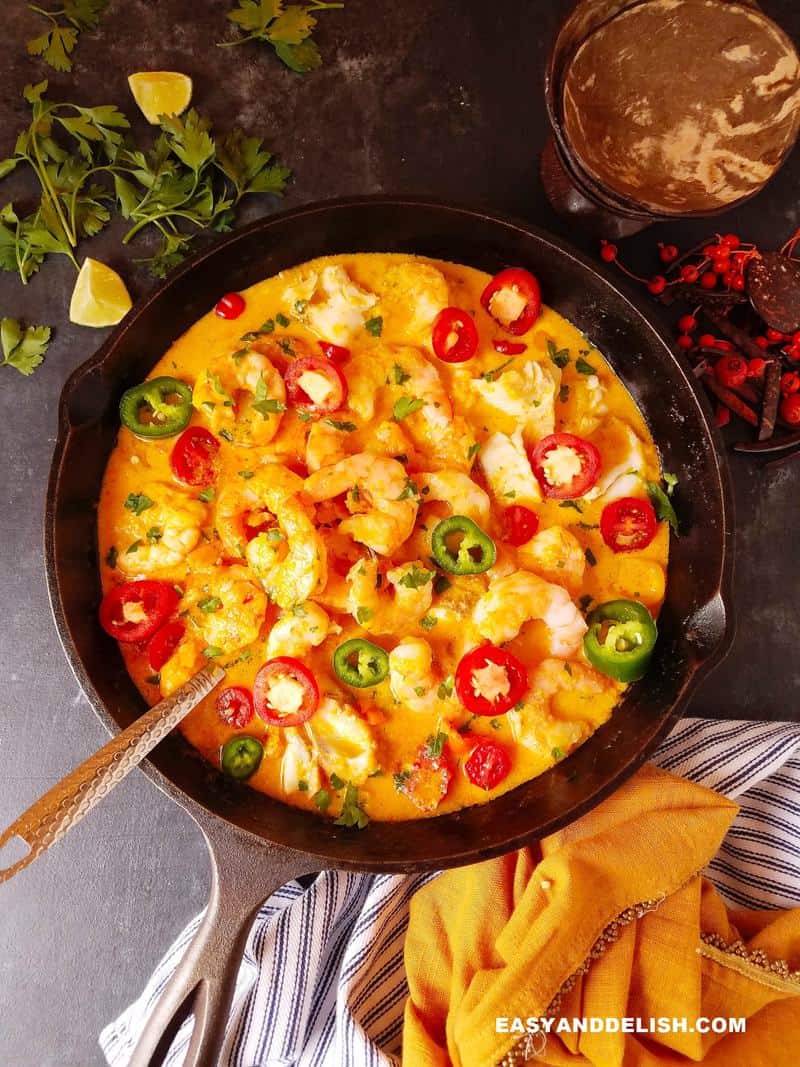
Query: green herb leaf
[[427, 622], [207, 495], [493, 375], [473, 450], [129, 551], [400, 376], [210, 604], [23, 349], [557, 753], [345, 427], [154, 535], [363, 614], [374, 326], [322, 799], [352, 814], [559, 356], [247, 475], [665, 512], [410, 490], [212, 652], [111, 557], [337, 782], [445, 689], [434, 746], [416, 578], [571, 504], [405, 406], [138, 502], [264, 404], [582, 367]]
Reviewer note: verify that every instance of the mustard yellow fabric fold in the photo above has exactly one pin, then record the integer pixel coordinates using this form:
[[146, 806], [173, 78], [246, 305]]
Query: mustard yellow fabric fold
[[607, 918]]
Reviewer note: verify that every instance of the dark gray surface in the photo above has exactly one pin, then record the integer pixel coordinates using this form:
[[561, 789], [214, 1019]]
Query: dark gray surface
[[432, 97]]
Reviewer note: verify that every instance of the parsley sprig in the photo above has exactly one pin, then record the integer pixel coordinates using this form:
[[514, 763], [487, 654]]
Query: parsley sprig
[[188, 182], [23, 348], [67, 22], [287, 29]]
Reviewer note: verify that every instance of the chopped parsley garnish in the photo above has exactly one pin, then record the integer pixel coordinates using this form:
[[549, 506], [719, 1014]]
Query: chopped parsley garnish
[[207, 495], [582, 367], [434, 746], [410, 491], [281, 320], [416, 578], [557, 753], [345, 427], [374, 326], [322, 799], [493, 375], [138, 502], [559, 356], [662, 505], [571, 504], [473, 450], [264, 404], [133, 548], [212, 651], [154, 534], [400, 376], [363, 614], [445, 688], [111, 557], [247, 475], [227, 435], [427, 622], [405, 406], [210, 604]]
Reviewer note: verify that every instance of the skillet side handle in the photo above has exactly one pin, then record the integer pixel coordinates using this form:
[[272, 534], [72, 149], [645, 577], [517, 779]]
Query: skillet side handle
[[244, 873]]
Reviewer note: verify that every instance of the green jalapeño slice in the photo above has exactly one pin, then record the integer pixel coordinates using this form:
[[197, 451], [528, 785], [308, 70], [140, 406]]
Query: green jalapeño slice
[[620, 639], [160, 407], [359, 663], [241, 757], [460, 546]]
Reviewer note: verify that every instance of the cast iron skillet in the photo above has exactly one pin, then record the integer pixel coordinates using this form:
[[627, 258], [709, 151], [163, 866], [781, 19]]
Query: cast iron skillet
[[257, 844]]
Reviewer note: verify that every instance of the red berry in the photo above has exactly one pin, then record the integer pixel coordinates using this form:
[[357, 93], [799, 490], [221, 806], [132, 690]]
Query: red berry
[[762, 342], [230, 306], [687, 323], [720, 264], [730, 240], [689, 274], [793, 352], [774, 336], [756, 367], [790, 383], [738, 283], [796, 338], [685, 341], [608, 252], [731, 371], [668, 253], [708, 280], [707, 340], [657, 284], [714, 250], [790, 409], [723, 415], [728, 279]]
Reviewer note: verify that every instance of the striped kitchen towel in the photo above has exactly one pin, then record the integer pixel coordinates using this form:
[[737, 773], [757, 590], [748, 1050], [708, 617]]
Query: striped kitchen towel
[[340, 1003]]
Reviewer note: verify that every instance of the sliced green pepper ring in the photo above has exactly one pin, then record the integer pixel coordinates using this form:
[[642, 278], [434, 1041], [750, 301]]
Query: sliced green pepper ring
[[359, 663], [460, 546], [241, 757], [160, 407], [620, 639]]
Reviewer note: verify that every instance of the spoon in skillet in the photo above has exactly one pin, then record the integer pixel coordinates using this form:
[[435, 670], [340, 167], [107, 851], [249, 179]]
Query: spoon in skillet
[[63, 806]]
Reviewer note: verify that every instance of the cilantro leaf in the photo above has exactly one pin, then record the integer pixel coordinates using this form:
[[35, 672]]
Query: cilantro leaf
[[264, 404], [582, 367], [374, 326], [352, 815], [345, 427], [23, 349], [559, 356], [493, 375], [58, 43], [405, 406], [288, 30], [665, 512], [416, 578], [434, 746], [138, 502]]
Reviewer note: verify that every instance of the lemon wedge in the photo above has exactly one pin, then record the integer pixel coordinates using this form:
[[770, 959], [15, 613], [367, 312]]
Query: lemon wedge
[[99, 297], [160, 92]]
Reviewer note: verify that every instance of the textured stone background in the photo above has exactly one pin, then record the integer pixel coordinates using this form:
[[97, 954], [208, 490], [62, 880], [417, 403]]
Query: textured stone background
[[423, 97]]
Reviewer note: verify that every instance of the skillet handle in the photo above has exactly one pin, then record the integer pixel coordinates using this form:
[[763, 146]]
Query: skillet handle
[[244, 873]]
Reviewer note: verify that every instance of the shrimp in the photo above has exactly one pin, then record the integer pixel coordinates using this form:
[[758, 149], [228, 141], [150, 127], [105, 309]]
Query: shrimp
[[385, 611], [186, 660], [555, 554], [160, 533], [458, 490], [377, 491], [325, 445], [296, 633], [245, 505], [508, 469], [515, 598], [565, 703], [243, 396], [226, 609], [412, 680]]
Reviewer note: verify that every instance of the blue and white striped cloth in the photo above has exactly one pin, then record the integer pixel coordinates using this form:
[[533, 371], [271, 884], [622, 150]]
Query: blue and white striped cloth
[[322, 982]]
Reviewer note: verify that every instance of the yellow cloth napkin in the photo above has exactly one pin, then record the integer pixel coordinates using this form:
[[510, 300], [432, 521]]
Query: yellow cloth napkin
[[607, 918]]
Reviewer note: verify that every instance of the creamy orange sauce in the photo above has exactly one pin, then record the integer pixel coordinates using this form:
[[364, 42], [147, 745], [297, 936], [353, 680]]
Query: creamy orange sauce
[[302, 592]]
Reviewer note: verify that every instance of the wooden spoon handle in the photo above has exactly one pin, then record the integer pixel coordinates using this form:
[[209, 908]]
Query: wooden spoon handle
[[63, 806]]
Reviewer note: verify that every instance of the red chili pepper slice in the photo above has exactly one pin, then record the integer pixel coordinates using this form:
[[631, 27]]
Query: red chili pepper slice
[[519, 524], [628, 524], [230, 306], [455, 335], [475, 675], [235, 706], [193, 458], [508, 348], [135, 610], [163, 643], [487, 765], [336, 353], [578, 483], [319, 367], [291, 673], [513, 299]]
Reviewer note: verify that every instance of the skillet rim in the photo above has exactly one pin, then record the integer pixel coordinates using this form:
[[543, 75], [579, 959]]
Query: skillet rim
[[695, 672]]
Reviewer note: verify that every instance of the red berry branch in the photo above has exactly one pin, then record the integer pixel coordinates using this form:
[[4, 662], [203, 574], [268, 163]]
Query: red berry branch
[[751, 299]]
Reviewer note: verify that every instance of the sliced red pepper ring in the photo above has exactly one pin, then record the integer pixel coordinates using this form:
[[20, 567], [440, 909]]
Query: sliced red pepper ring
[[193, 457], [519, 525], [455, 335], [230, 306], [565, 466], [336, 353], [487, 765], [285, 692], [315, 385], [513, 299], [163, 643], [235, 706], [628, 524], [508, 348], [133, 611], [490, 681]]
